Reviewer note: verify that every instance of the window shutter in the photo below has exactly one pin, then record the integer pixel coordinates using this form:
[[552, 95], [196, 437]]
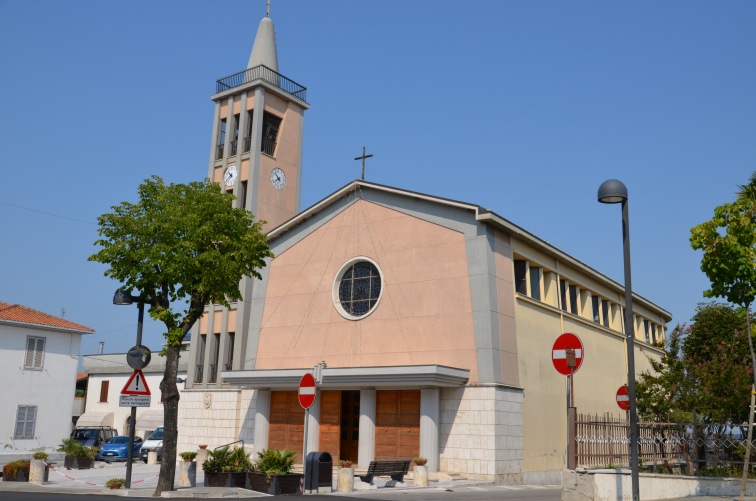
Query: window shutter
[[30, 344], [39, 351], [104, 391], [20, 420], [31, 418]]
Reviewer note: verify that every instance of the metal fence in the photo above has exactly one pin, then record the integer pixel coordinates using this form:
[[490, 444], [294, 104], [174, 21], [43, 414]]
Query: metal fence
[[602, 440]]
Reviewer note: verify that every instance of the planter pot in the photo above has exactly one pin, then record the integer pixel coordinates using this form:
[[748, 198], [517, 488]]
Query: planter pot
[[345, 480], [279, 484], [420, 474], [78, 463], [188, 474], [232, 479], [22, 475], [38, 472]]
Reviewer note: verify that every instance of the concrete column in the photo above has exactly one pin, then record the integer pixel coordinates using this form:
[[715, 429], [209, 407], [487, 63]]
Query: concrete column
[[430, 402], [313, 426], [262, 421], [366, 451]]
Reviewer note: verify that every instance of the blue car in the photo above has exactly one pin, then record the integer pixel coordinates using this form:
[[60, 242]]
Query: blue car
[[117, 449]]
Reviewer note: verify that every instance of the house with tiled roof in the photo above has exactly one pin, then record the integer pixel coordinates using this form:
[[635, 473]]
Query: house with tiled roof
[[39, 357]]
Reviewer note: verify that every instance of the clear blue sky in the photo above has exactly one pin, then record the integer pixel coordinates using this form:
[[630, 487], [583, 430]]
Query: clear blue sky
[[521, 107]]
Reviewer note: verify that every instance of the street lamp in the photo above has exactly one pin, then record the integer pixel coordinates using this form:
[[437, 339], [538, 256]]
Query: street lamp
[[614, 191], [124, 297]]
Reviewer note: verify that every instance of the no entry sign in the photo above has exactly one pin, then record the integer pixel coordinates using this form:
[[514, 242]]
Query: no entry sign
[[623, 398], [307, 391], [567, 354]]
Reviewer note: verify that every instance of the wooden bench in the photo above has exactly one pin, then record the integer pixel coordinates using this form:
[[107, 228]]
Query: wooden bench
[[396, 469]]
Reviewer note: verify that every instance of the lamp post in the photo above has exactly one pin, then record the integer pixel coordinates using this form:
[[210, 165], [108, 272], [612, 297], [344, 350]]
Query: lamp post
[[614, 191], [124, 297]]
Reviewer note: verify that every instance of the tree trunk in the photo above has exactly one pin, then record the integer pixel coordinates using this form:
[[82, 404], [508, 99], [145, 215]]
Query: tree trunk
[[170, 421], [753, 390]]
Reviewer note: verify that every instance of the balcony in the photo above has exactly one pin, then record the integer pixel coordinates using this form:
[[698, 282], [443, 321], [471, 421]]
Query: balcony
[[265, 74]]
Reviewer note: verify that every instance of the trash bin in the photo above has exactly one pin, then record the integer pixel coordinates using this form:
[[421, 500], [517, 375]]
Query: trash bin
[[318, 471]]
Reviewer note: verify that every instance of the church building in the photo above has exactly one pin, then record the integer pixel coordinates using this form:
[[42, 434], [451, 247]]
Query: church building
[[430, 321]]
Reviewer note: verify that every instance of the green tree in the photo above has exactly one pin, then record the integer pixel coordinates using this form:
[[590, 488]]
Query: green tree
[[728, 242], [182, 246], [705, 369]]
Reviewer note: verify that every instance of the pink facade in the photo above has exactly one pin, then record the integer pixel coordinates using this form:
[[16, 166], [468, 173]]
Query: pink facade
[[424, 315]]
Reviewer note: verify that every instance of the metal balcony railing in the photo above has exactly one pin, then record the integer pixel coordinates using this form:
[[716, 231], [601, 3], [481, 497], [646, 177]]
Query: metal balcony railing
[[265, 74]]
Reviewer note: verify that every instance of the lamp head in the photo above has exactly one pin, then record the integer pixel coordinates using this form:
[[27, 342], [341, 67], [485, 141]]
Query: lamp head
[[612, 191], [123, 297]]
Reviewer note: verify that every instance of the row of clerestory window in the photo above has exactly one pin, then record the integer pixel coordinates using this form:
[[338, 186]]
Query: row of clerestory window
[[546, 286]]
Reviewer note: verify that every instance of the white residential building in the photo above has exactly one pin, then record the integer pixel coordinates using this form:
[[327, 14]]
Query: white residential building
[[39, 355]]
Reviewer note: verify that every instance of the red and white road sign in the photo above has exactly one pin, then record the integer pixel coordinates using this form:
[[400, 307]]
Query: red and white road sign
[[623, 398], [136, 385], [307, 391], [567, 354]]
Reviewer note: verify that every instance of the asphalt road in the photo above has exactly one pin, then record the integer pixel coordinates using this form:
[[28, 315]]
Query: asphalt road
[[479, 493]]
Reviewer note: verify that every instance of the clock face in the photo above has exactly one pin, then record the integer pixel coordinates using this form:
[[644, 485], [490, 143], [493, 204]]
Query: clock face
[[278, 178], [229, 177]]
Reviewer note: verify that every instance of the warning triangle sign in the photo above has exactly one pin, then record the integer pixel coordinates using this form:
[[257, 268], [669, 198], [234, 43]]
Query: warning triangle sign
[[136, 385]]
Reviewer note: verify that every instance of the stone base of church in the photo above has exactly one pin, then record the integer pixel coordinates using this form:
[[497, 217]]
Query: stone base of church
[[481, 433], [214, 418]]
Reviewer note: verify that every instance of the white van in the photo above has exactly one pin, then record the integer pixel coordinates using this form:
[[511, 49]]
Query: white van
[[154, 441]]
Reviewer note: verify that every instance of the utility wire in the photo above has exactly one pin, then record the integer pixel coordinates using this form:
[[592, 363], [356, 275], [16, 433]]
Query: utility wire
[[48, 213]]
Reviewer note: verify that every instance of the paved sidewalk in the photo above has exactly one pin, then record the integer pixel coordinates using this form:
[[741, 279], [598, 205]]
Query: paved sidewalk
[[144, 479]]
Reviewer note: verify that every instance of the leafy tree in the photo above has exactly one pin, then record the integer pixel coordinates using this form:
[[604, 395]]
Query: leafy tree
[[181, 246], [705, 369], [728, 242]]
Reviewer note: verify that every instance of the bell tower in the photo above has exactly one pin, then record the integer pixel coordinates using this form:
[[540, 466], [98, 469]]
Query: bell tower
[[256, 148]]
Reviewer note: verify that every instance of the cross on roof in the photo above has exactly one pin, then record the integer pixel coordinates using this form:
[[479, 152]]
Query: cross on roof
[[363, 157]]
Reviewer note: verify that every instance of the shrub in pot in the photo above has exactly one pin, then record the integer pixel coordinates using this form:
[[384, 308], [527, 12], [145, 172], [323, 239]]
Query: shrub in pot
[[78, 456], [273, 472], [17, 471], [115, 483], [226, 467]]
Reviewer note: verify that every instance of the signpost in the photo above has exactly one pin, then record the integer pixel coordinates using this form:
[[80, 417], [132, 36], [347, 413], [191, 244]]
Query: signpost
[[307, 391], [623, 398], [567, 356]]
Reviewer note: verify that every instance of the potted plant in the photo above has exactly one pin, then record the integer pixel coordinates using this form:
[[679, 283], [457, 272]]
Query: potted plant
[[16, 471], [77, 455], [273, 472], [420, 471], [345, 476], [38, 472], [226, 467], [188, 474], [115, 483]]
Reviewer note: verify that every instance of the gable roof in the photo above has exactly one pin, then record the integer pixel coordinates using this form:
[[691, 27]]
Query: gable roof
[[22, 315], [479, 213]]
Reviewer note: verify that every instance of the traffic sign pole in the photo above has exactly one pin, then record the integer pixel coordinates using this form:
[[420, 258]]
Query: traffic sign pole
[[567, 357], [307, 393]]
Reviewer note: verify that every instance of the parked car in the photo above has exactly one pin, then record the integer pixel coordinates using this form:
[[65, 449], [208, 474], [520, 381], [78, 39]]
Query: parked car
[[154, 441], [117, 449], [93, 436]]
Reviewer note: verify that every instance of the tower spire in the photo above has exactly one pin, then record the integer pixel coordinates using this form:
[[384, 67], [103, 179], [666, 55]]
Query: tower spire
[[264, 48]]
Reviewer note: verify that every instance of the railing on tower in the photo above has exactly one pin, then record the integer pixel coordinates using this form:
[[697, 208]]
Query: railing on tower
[[265, 74]]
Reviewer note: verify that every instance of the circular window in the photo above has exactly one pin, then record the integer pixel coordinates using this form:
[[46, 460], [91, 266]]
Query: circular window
[[357, 288]]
